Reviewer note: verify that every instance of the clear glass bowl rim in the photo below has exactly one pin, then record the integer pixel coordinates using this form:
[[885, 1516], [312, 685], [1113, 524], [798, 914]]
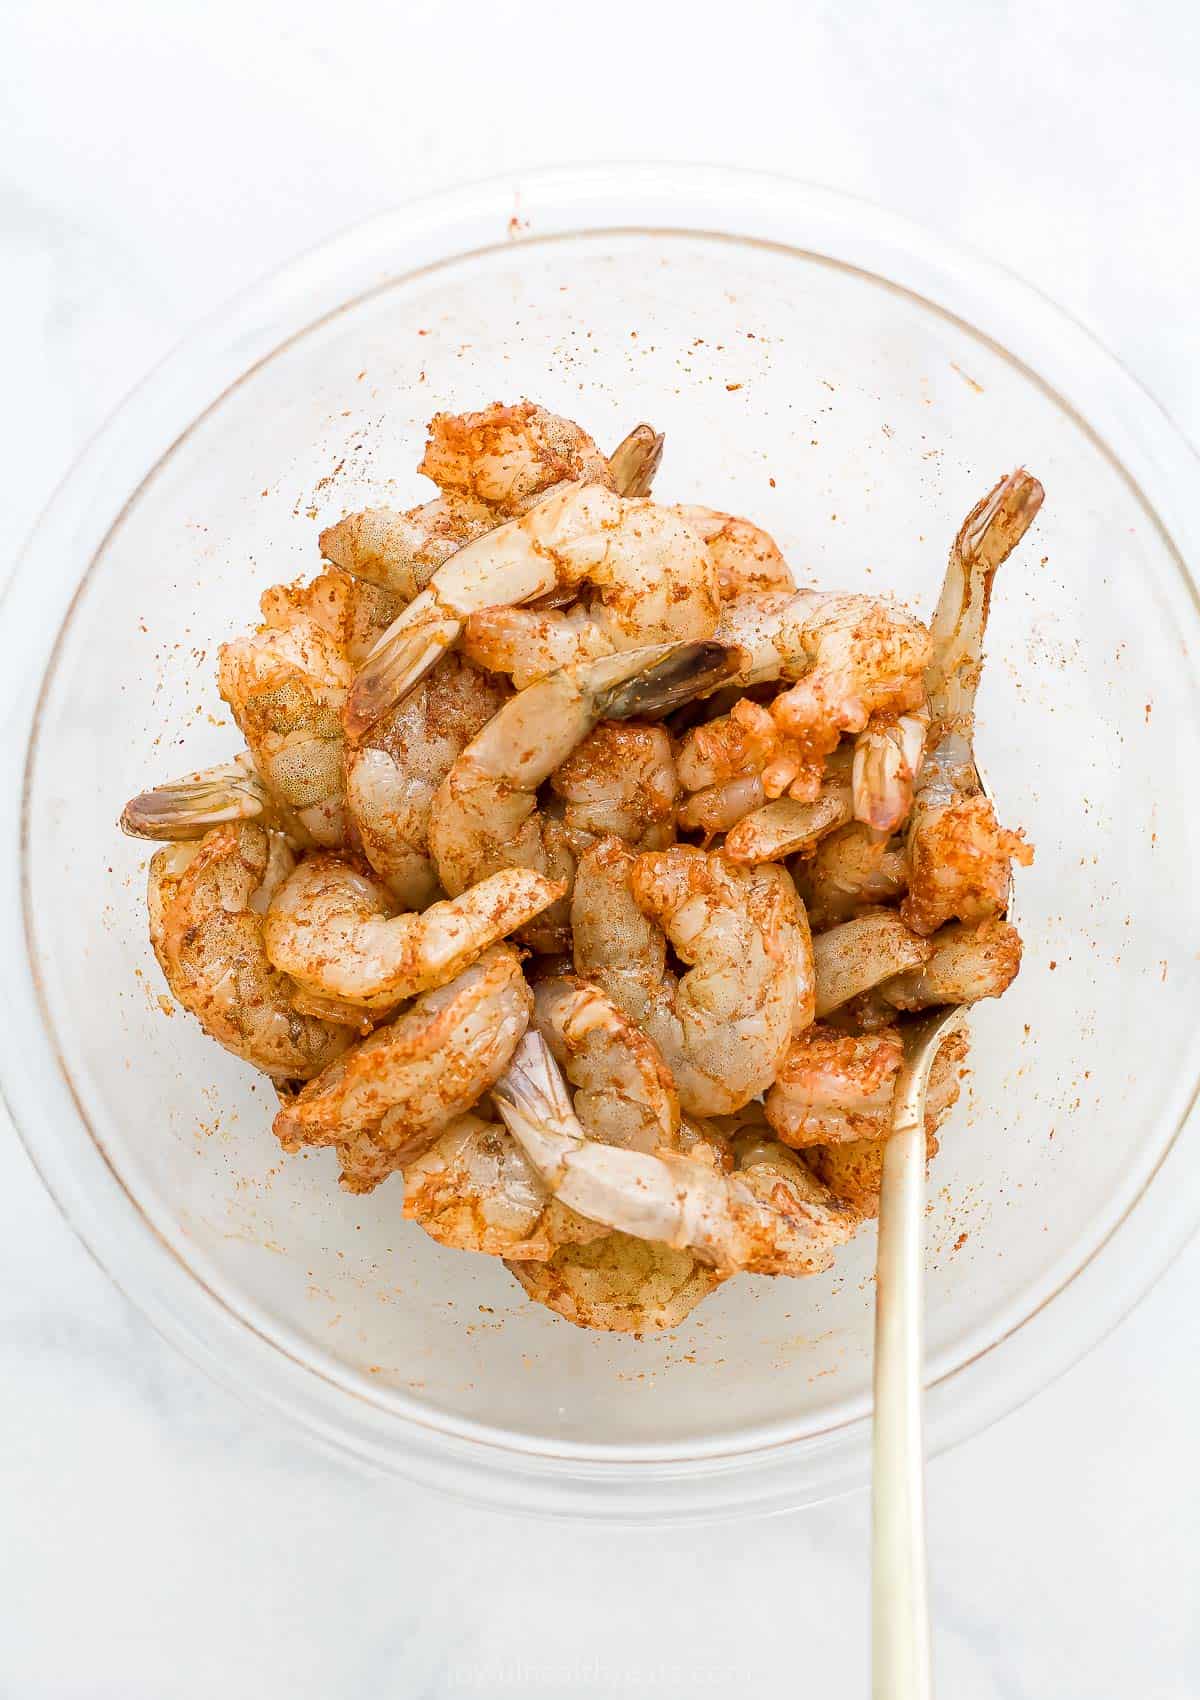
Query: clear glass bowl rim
[[621, 1483]]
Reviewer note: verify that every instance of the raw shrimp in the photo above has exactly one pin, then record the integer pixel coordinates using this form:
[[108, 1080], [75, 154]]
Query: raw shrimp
[[619, 1284], [190, 807], [387, 1100], [852, 1168], [786, 827], [770, 1216], [746, 558], [286, 684], [852, 958], [399, 553], [966, 964], [485, 814], [475, 1190], [334, 930], [506, 457], [723, 1026], [624, 1093], [352, 612], [833, 1086], [959, 856], [635, 460], [392, 777], [888, 753], [621, 779], [655, 582], [850, 657], [851, 870], [206, 925]]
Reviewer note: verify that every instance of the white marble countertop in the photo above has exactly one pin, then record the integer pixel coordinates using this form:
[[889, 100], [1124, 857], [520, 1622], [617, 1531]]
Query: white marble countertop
[[161, 1541]]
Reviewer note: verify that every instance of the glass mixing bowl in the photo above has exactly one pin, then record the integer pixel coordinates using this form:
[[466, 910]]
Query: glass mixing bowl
[[854, 386]]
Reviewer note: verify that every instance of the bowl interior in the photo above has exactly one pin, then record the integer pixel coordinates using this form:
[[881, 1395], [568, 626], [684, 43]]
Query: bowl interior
[[857, 423]]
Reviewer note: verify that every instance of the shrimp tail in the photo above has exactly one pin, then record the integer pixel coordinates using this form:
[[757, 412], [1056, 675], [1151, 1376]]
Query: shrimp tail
[[189, 808], [401, 658], [683, 671], [635, 460], [532, 1097]]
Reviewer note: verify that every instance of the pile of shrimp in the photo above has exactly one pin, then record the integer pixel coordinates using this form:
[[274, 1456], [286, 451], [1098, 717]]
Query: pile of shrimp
[[580, 870]]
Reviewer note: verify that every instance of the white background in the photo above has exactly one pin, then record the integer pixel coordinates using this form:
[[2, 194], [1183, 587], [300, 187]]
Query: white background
[[157, 1539]]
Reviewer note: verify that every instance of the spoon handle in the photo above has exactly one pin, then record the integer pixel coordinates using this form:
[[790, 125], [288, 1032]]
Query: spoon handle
[[900, 1651]]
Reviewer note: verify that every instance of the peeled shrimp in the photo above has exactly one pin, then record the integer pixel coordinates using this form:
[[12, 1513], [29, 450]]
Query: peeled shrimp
[[852, 1168], [887, 758], [747, 559], [787, 827], [387, 1100], [476, 1190], [619, 1284], [286, 683], [334, 930], [833, 1086], [206, 925], [770, 1217], [621, 779], [966, 964], [723, 1026], [392, 777], [655, 583], [852, 958], [485, 814], [850, 657], [959, 856], [624, 1093], [851, 870]]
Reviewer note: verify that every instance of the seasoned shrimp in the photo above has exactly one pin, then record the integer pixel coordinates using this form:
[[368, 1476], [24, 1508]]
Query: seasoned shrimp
[[206, 925], [399, 553], [770, 1216], [506, 457], [959, 856], [335, 931], [852, 1168], [851, 870], [833, 1086], [384, 1102], [621, 779], [966, 964], [635, 460], [856, 956], [747, 559], [485, 814], [654, 580], [624, 1093], [850, 657], [190, 807], [786, 827], [723, 1026], [475, 1190], [286, 684], [888, 753], [392, 777], [619, 1284]]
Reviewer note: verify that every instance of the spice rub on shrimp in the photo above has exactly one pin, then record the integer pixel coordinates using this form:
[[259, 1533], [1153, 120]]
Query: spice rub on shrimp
[[206, 926], [286, 684], [724, 1025], [747, 559], [391, 778], [386, 1100], [654, 583], [618, 1283], [485, 813], [620, 780], [771, 1216], [334, 929], [959, 857]]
